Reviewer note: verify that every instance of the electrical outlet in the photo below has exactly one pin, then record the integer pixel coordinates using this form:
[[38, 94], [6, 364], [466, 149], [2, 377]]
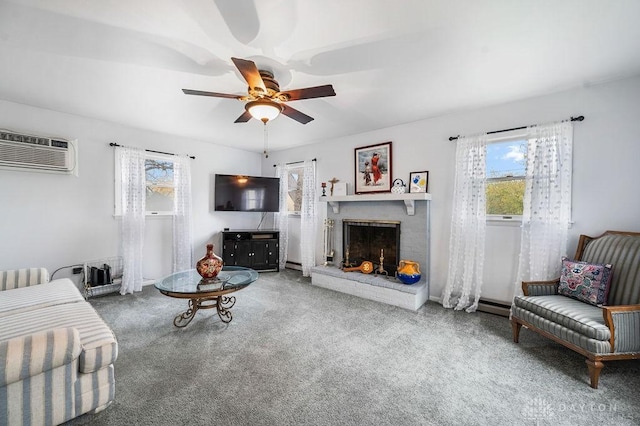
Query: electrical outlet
[[77, 270]]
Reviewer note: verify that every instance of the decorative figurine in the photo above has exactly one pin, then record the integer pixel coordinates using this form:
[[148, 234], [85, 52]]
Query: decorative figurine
[[398, 186], [324, 187], [333, 182]]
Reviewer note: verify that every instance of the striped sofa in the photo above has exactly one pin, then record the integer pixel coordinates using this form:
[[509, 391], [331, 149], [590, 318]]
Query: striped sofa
[[600, 333], [56, 353]]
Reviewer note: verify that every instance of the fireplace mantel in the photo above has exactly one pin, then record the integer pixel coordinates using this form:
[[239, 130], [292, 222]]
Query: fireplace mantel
[[408, 199]]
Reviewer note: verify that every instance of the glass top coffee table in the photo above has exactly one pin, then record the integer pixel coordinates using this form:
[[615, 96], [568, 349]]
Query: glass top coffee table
[[206, 294]]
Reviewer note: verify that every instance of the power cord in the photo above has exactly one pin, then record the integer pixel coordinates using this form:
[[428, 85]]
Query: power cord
[[67, 267], [263, 216]]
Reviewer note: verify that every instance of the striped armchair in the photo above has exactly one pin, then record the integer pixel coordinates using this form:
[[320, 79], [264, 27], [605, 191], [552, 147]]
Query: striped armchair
[[56, 353], [600, 333]]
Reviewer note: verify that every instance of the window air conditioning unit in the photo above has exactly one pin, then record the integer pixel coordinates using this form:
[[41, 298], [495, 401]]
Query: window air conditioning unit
[[21, 151]]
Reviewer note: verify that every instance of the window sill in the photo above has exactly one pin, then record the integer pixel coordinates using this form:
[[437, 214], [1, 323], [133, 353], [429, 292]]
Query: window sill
[[515, 221]]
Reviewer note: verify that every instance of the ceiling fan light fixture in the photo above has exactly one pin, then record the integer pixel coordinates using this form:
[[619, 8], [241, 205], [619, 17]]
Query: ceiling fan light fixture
[[267, 101], [263, 110]]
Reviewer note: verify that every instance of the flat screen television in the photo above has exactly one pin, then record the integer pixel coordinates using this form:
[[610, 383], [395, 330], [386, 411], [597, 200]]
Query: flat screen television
[[241, 193]]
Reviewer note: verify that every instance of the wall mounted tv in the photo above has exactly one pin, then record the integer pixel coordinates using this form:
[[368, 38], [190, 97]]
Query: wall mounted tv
[[241, 193]]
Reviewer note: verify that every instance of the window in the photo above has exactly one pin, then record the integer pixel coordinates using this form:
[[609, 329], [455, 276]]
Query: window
[[506, 163], [160, 186], [294, 197]]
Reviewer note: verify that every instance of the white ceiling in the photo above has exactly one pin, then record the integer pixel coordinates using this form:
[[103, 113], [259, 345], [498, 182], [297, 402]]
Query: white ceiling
[[389, 61]]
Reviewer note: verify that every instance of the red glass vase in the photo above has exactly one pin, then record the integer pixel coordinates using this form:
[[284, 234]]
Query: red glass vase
[[210, 265]]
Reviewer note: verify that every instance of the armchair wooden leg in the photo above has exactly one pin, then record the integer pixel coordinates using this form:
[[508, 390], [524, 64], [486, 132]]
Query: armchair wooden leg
[[594, 372], [516, 326]]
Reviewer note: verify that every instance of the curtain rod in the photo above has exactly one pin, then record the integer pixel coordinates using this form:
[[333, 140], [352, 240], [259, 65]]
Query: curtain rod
[[151, 150], [295, 162], [579, 118]]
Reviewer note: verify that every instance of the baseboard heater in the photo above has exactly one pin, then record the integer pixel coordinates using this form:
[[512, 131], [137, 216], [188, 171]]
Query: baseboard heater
[[494, 307], [293, 265]]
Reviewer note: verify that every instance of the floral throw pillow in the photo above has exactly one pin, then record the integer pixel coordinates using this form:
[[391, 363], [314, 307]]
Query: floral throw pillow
[[588, 282]]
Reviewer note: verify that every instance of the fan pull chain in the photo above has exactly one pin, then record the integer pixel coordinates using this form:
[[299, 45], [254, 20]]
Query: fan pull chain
[[266, 141]]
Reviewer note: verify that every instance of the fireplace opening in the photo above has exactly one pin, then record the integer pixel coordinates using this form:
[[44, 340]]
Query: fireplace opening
[[370, 240]]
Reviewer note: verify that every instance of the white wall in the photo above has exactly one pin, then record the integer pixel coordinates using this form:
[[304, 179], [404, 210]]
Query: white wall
[[56, 220], [294, 253], [606, 172]]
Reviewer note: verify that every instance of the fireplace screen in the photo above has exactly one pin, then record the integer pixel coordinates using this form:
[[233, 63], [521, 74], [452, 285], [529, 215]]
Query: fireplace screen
[[370, 240]]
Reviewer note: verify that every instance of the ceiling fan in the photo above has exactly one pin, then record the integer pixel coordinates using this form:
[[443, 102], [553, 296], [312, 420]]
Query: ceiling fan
[[265, 100]]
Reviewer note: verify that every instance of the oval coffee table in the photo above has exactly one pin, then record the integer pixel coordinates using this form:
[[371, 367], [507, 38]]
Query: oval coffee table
[[206, 294]]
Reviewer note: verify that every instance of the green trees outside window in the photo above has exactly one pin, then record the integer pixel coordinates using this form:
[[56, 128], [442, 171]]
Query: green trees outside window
[[504, 197], [506, 162]]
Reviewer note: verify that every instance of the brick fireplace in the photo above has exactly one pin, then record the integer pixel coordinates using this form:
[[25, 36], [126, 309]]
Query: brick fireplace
[[383, 215]]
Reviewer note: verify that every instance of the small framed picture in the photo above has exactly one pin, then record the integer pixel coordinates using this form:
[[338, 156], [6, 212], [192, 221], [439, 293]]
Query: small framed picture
[[373, 168], [419, 182]]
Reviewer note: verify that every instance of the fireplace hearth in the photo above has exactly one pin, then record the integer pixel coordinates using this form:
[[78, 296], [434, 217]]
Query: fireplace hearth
[[370, 240], [379, 212]]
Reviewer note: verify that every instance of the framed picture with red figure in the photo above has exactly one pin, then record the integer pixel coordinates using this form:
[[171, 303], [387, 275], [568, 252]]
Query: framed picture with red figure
[[373, 168]]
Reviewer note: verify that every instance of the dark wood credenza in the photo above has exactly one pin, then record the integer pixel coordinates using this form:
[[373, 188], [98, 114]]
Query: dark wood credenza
[[255, 249]]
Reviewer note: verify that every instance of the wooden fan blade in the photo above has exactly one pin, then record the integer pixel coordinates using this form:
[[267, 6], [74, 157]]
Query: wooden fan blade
[[295, 114], [309, 92], [212, 94], [243, 118], [250, 73]]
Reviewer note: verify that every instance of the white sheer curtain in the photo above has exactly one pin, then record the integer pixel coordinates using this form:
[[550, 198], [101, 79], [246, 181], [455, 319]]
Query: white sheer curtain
[[547, 202], [182, 217], [467, 241], [308, 218], [282, 217], [132, 162]]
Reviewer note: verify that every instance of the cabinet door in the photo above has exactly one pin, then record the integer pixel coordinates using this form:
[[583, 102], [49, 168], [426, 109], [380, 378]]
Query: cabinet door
[[260, 254], [243, 253], [265, 255], [229, 252], [273, 255]]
